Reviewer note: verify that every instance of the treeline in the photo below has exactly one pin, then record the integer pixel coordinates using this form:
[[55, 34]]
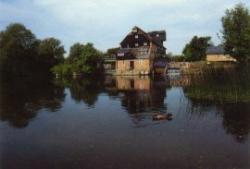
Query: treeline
[[82, 59], [235, 37], [24, 55]]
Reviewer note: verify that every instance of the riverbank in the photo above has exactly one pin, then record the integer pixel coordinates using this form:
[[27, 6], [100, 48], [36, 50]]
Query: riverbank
[[203, 67]]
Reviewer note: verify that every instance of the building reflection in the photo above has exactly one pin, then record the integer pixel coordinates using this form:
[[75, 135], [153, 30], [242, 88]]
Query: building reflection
[[140, 96]]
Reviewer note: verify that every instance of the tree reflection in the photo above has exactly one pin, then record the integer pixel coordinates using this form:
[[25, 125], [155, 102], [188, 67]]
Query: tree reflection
[[228, 93], [21, 99], [236, 120], [84, 89]]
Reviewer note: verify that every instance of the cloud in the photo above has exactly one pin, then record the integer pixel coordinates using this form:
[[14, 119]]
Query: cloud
[[105, 23]]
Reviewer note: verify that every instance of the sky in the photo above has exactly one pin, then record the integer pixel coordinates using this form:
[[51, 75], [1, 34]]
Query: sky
[[106, 22]]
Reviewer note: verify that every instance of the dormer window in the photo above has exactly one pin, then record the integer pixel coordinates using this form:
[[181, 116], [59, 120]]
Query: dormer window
[[136, 44], [134, 29], [136, 36]]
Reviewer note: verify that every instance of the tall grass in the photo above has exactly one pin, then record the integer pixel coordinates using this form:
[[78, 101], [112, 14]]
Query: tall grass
[[221, 83]]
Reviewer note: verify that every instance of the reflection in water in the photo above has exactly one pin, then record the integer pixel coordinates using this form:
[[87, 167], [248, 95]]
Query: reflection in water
[[86, 90], [235, 116], [141, 96], [142, 93], [22, 99], [229, 92], [92, 127], [236, 120]]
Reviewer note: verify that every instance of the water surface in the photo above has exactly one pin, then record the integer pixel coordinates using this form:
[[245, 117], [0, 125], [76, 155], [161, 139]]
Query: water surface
[[107, 123]]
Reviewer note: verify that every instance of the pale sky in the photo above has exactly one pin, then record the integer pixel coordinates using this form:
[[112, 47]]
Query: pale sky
[[106, 22]]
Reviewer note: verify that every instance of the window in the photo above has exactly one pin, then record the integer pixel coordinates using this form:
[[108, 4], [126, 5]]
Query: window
[[136, 44], [131, 65], [157, 35], [136, 36], [132, 83], [145, 43], [127, 45]]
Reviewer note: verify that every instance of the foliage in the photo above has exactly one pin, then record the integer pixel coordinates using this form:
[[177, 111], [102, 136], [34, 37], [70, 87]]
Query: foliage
[[63, 69], [18, 47], [236, 32], [75, 52], [195, 50], [168, 55], [177, 58], [222, 84], [82, 59], [22, 54], [50, 53], [89, 59]]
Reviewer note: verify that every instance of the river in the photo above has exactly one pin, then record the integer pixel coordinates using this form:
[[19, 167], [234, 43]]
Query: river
[[108, 123]]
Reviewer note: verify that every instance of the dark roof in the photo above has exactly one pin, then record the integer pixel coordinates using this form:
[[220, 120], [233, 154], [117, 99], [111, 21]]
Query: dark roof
[[160, 63], [161, 33], [215, 50], [149, 36], [125, 53]]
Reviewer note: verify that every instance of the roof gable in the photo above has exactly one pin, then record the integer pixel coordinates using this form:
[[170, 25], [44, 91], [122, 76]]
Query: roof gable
[[137, 30]]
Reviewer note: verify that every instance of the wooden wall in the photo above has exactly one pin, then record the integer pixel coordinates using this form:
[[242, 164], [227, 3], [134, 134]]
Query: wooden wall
[[132, 83], [123, 67], [220, 58]]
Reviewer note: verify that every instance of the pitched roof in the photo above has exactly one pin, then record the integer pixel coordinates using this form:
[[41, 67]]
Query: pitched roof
[[215, 50], [148, 36], [160, 33]]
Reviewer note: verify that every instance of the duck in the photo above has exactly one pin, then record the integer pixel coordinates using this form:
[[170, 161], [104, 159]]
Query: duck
[[157, 116]]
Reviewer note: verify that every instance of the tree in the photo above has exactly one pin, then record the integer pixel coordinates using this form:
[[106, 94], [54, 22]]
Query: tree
[[196, 49], [82, 59], [50, 53], [177, 58], [236, 32], [22, 54], [18, 48], [89, 59], [75, 52]]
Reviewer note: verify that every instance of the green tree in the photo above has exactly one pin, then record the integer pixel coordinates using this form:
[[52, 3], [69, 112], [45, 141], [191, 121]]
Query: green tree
[[22, 54], [50, 53], [82, 59], [236, 32], [195, 50], [89, 61], [75, 52], [18, 48]]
